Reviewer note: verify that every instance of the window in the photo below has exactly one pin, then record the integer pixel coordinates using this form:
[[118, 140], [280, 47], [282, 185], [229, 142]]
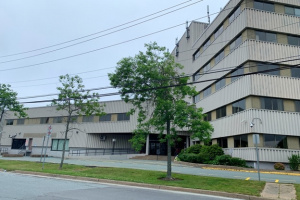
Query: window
[[18, 144], [9, 122], [105, 118], [219, 31], [295, 72], [197, 54], [57, 145], [241, 141], [57, 119], [44, 120], [264, 69], [236, 43], [239, 106], [292, 40], [196, 98], [219, 57], [206, 68], [206, 92], [74, 119], [234, 15], [265, 36], [206, 44], [237, 73], [20, 121], [297, 106], [207, 117], [221, 83], [123, 117], [222, 142], [275, 141], [221, 112], [271, 103], [264, 6], [292, 11], [88, 118], [196, 76]]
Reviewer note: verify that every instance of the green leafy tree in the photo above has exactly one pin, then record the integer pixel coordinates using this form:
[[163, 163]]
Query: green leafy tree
[[74, 100], [152, 83]]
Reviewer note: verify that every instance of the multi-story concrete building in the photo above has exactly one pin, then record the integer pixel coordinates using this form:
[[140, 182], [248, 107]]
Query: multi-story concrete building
[[244, 65]]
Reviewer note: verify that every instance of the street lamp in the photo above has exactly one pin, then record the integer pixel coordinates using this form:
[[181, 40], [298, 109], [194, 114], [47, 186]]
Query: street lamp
[[114, 142], [256, 141]]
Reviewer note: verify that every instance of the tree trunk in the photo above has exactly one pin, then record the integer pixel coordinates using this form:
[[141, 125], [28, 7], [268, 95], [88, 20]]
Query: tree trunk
[[64, 145], [2, 113], [169, 164]]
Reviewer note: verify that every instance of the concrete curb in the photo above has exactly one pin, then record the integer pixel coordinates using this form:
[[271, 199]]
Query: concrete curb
[[144, 185]]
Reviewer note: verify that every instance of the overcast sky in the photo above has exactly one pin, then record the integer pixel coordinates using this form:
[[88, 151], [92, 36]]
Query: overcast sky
[[27, 25]]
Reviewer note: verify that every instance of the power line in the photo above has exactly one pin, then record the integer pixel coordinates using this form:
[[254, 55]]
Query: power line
[[95, 32]]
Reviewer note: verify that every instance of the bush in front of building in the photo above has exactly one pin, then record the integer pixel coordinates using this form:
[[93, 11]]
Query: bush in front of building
[[194, 149], [279, 166], [228, 160], [294, 162], [190, 157], [212, 151]]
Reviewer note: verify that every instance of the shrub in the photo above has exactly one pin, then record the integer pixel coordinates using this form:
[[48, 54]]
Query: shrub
[[294, 162], [212, 151], [238, 162], [190, 157], [222, 160], [279, 166], [194, 149]]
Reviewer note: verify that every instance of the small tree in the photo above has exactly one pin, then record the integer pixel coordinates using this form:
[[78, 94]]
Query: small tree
[[152, 83], [75, 101], [8, 102]]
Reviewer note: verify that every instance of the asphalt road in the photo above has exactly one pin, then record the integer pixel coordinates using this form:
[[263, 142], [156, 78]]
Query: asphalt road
[[26, 187], [161, 166]]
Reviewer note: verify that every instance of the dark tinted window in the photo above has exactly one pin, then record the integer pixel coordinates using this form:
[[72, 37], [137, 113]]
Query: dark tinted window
[[44, 120], [275, 141], [295, 72], [239, 106], [18, 144], [221, 83], [297, 106], [88, 118], [264, 6], [106, 117], [264, 36], [268, 69], [207, 116], [207, 92], [57, 119], [221, 112], [197, 98], [9, 122], [20, 121], [271, 103], [236, 74], [123, 117], [241, 141], [222, 142], [293, 40]]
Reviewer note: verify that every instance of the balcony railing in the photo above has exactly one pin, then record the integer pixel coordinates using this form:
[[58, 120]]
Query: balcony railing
[[265, 154]]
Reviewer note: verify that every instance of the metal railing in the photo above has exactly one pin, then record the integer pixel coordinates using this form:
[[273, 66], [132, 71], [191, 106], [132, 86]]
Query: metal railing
[[22, 149], [101, 151], [3, 150]]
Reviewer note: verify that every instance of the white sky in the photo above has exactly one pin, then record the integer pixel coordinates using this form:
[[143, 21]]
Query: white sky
[[30, 24]]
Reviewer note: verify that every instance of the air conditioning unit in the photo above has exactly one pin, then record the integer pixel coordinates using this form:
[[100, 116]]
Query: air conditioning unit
[[102, 137]]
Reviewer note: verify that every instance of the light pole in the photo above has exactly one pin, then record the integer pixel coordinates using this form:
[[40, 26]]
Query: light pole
[[113, 141], [256, 141]]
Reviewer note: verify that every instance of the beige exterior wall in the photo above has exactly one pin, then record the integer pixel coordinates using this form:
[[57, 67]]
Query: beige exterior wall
[[282, 39], [279, 8], [227, 50], [289, 105], [229, 109], [293, 142], [213, 115], [250, 140], [248, 103], [230, 141], [247, 4], [285, 72], [213, 88], [79, 119], [256, 102], [226, 23], [228, 80], [96, 118], [114, 117], [214, 141]]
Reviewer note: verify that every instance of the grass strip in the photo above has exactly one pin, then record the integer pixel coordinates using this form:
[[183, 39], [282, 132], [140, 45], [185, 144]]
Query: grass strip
[[253, 188]]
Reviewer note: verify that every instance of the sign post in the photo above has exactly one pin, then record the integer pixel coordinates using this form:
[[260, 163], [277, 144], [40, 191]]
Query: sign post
[[48, 136], [256, 141]]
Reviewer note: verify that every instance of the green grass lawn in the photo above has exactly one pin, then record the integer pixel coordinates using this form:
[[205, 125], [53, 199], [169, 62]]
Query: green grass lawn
[[297, 187], [141, 176]]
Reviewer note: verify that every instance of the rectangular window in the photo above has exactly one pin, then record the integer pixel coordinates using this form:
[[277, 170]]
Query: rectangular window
[[57, 145], [207, 117], [105, 118], [57, 119], [240, 141], [239, 106], [235, 14], [123, 117], [237, 74], [265, 36], [206, 92], [44, 120], [236, 43], [206, 68], [9, 122], [268, 69], [206, 44], [88, 118], [222, 142], [74, 119], [18, 144], [219, 31], [295, 72], [221, 112], [197, 54], [297, 106], [275, 141], [292, 11], [264, 6], [196, 76], [196, 98], [219, 57], [20, 121], [271, 103], [292, 40], [221, 83]]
